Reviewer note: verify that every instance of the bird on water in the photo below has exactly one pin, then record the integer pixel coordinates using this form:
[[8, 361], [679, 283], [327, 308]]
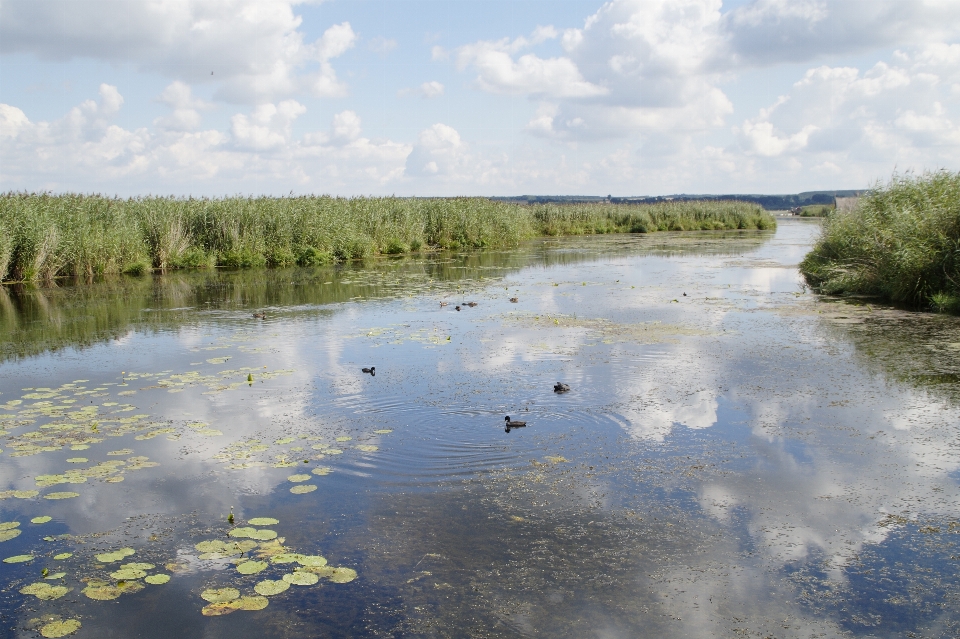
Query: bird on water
[[512, 423], [260, 316], [372, 370]]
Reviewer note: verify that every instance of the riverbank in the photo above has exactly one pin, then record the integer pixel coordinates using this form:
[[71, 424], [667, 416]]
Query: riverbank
[[45, 236], [901, 243]]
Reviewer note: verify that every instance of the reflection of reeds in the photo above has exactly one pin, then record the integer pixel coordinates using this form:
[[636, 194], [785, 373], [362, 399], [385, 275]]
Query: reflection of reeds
[[47, 236], [902, 243]]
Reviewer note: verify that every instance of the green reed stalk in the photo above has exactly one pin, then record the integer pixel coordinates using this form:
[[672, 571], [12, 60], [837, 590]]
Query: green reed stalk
[[902, 243], [43, 236]]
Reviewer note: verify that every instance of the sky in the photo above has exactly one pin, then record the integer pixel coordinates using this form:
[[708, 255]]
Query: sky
[[465, 97]]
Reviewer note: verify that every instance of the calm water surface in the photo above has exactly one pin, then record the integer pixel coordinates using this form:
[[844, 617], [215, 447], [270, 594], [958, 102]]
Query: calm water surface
[[736, 456]]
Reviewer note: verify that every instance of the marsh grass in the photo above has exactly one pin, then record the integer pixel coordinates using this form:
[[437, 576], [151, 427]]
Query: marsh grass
[[44, 236], [901, 243]]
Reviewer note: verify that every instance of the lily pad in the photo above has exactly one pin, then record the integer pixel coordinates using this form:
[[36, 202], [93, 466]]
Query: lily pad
[[56, 575], [125, 574], [9, 525], [269, 587], [301, 578], [303, 489], [298, 478], [254, 533], [61, 495], [77, 460], [368, 448], [322, 470], [59, 628], [102, 592], [138, 566], [25, 494], [43, 590], [18, 559], [384, 431], [251, 567], [285, 558], [7, 535], [314, 561], [263, 521], [344, 439], [157, 580], [116, 555], [63, 555], [343, 575], [41, 520], [219, 595]]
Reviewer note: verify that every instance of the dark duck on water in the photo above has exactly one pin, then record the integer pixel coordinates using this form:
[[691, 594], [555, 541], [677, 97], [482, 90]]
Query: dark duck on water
[[511, 423]]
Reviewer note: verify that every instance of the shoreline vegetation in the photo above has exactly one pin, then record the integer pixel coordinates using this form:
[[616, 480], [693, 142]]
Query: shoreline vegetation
[[901, 244], [44, 236]]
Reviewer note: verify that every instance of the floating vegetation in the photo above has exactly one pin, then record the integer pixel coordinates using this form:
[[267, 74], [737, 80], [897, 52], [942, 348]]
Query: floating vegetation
[[43, 590], [241, 603], [251, 567], [219, 595], [105, 591], [19, 494], [269, 587], [157, 580], [384, 431], [59, 628], [61, 495], [301, 578], [18, 559], [368, 448], [322, 470], [263, 521], [303, 489], [63, 555], [253, 533], [77, 460], [298, 478], [115, 555], [41, 520]]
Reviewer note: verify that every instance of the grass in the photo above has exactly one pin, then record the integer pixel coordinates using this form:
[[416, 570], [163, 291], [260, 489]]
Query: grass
[[902, 243], [44, 236], [816, 210]]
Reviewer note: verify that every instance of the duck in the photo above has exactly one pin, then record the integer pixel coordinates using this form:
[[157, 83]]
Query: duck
[[514, 299], [372, 370], [512, 423], [261, 315], [442, 304], [457, 307], [471, 304], [560, 387]]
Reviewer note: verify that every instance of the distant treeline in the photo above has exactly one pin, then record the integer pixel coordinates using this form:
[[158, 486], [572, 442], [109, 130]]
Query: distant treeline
[[44, 236], [768, 202]]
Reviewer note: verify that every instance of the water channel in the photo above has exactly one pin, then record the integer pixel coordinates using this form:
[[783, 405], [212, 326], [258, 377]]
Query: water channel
[[736, 456]]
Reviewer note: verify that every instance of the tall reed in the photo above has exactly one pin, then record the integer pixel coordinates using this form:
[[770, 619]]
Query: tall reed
[[901, 243], [43, 236]]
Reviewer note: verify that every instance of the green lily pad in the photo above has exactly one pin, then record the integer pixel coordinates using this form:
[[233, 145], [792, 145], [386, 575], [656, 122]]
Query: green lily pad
[[61, 495], [285, 558], [343, 575], [384, 431], [322, 470], [269, 587], [303, 489], [102, 592], [344, 439], [138, 566], [63, 555], [77, 460], [41, 520], [298, 478], [301, 578], [157, 580], [125, 574], [56, 629], [219, 595], [368, 448], [25, 494], [254, 533], [56, 575], [263, 521], [251, 567], [116, 555], [7, 535], [312, 560], [9, 525], [18, 559], [43, 590]]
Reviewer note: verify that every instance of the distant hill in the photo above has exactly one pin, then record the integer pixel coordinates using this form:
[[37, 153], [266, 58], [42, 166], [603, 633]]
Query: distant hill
[[769, 202]]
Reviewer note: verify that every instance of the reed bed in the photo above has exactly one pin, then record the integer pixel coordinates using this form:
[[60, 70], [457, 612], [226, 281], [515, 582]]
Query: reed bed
[[45, 236], [901, 243]]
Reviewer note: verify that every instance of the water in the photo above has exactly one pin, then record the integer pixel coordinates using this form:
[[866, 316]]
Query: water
[[736, 456]]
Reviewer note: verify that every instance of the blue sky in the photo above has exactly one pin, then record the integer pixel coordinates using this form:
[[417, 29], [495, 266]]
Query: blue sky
[[630, 97]]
